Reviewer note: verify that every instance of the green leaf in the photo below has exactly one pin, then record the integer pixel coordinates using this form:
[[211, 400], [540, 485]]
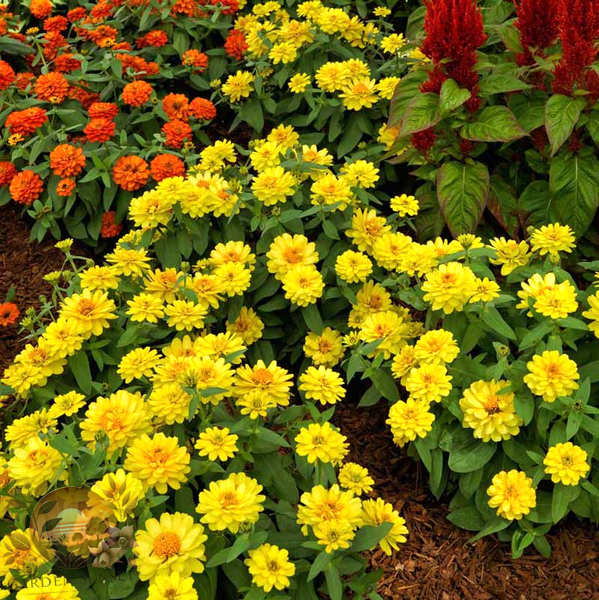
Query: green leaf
[[500, 84], [494, 124], [312, 318], [123, 585], [471, 456], [385, 384], [422, 112], [561, 498], [452, 96], [503, 204], [467, 518], [319, 564], [462, 190], [497, 323], [368, 537], [334, 585], [574, 188], [79, 365], [561, 115], [408, 87]]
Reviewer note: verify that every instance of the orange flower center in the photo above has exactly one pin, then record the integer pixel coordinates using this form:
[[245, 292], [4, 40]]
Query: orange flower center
[[262, 376], [167, 544]]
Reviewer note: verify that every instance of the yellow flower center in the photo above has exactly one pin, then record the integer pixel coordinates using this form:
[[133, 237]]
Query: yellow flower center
[[166, 544], [492, 405]]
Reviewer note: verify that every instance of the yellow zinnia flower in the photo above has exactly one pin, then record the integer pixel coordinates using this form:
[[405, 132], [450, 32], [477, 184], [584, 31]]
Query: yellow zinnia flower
[[512, 494]]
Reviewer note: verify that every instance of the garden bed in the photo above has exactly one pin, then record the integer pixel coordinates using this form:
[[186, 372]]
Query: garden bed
[[437, 562]]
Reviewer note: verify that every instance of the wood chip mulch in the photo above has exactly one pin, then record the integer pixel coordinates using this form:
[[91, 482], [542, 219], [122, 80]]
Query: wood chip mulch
[[436, 563], [22, 265]]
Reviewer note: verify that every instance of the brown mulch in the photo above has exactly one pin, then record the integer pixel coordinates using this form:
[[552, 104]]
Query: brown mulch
[[437, 562], [22, 265]]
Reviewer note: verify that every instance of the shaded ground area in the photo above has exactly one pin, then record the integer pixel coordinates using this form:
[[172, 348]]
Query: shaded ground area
[[436, 563], [22, 265]]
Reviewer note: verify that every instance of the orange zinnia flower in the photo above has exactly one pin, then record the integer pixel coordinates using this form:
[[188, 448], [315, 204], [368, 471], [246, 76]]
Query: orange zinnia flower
[[65, 63], [176, 132], [22, 80], [25, 122], [110, 228], [52, 87], [7, 172], [156, 38], [176, 106], [67, 160], [166, 165], [76, 14], [103, 110], [130, 173], [66, 186], [40, 8], [235, 45], [99, 130], [58, 24], [26, 187], [195, 58], [7, 75], [136, 93], [201, 108], [9, 313]]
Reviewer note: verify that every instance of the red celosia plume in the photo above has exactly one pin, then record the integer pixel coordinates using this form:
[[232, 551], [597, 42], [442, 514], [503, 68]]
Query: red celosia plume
[[454, 30], [578, 29], [538, 25]]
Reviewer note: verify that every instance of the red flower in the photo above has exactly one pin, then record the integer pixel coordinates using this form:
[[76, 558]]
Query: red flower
[[9, 313], [538, 26], [110, 228], [579, 28], [235, 44], [176, 132], [454, 30], [423, 141]]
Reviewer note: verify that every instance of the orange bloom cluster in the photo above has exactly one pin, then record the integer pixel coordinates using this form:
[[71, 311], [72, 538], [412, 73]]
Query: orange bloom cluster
[[103, 110], [166, 165], [196, 59], [7, 75], [110, 228], [235, 44], [66, 186], [25, 122], [140, 67], [202, 109], [176, 106], [26, 187], [7, 172], [130, 173], [56, 24], [176, 132], [9, 313], [40, 8], [52, 87], [156, 39], [102, 126], [67, 160], [66, 63], [136, 93]]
